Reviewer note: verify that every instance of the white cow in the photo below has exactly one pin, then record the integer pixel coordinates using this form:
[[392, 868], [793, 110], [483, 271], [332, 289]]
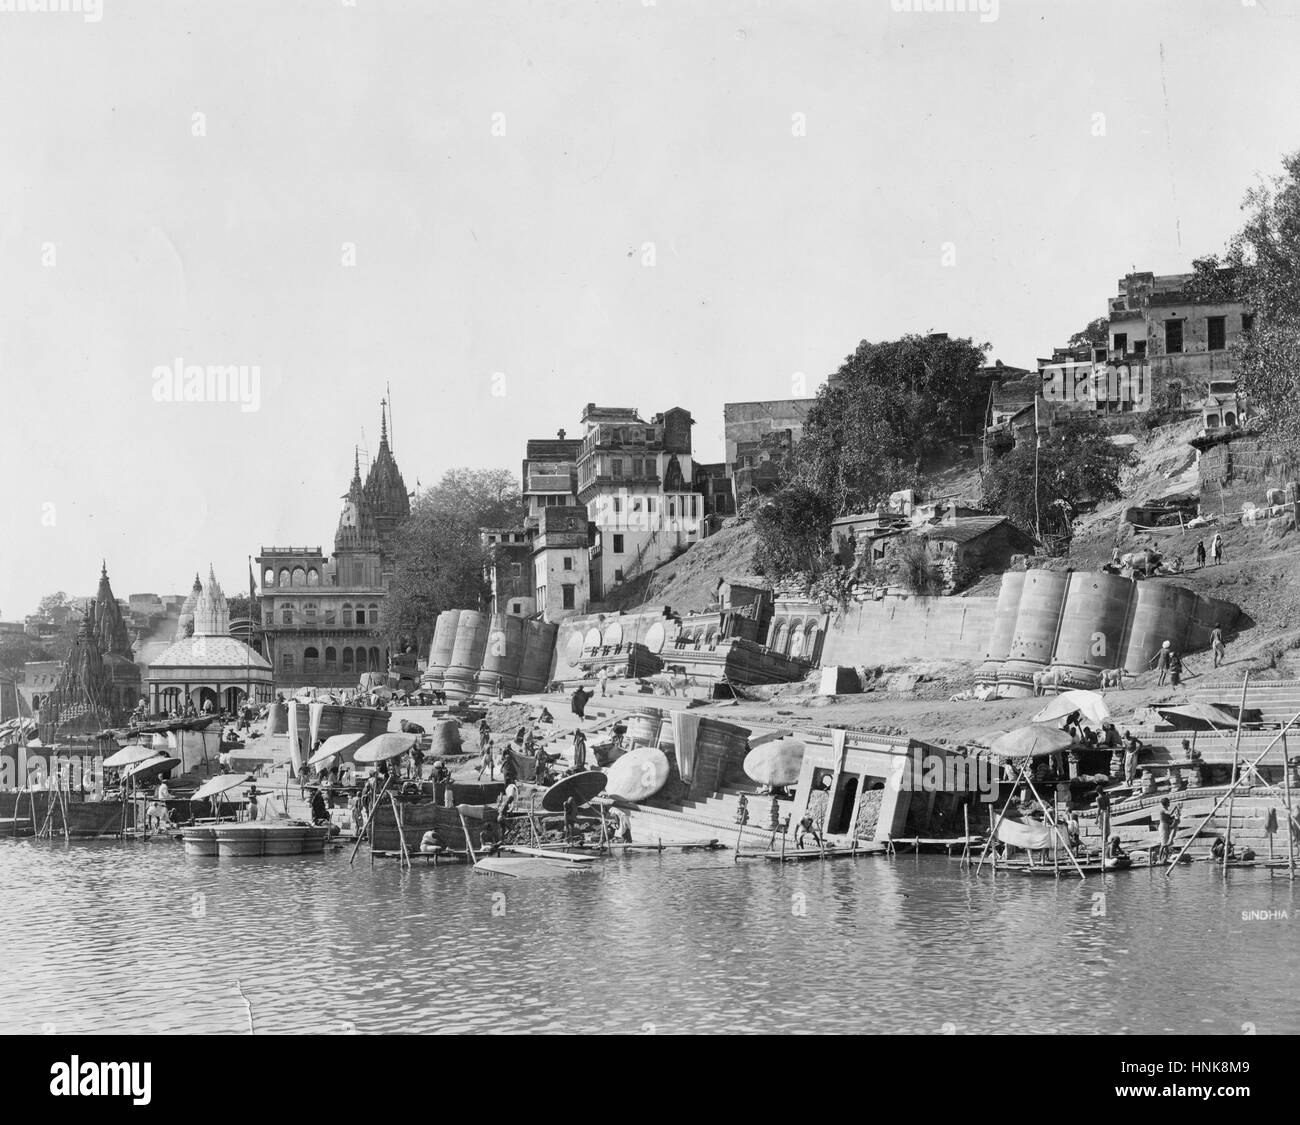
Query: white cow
[[1112, 678], [670, 683], [1047, 677]]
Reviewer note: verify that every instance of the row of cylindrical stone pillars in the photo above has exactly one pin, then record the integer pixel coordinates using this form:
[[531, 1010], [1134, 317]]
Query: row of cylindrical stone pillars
[[484, 654], [1085, 622]]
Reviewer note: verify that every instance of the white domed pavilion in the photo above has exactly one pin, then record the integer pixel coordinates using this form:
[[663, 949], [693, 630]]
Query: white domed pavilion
[[210, 665]]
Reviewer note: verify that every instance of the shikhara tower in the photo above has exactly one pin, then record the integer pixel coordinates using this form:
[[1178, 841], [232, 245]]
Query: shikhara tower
[[321, 614]]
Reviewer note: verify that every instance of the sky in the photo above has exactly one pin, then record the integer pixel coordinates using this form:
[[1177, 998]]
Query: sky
[[498, 212]]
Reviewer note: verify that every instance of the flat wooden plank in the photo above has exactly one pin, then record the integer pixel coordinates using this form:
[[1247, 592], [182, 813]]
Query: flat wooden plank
[[543, 853]]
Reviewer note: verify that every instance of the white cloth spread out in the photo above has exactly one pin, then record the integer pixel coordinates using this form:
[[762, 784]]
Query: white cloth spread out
[[314, 713], [837, 745], [295, 751], [686, 729], [1033, 837]]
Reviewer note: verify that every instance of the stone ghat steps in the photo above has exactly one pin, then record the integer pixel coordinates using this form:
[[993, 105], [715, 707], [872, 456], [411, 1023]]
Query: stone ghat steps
[[1217, 749], [1138, 824], [1278, 700], [719, 810]]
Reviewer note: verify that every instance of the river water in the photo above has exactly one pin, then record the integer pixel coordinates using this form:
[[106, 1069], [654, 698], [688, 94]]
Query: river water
[[138, 937]]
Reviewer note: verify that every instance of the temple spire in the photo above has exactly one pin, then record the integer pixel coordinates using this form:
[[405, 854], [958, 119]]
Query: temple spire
[[383, 421]]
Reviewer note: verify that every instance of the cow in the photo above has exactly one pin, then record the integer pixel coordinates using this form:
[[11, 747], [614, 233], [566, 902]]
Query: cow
[[1047, 677], [671, 683], [1144, 562], [1112, 678]]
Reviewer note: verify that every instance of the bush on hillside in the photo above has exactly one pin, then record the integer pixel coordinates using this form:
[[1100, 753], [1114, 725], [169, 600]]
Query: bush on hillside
[[793, 527], [1075, 465]]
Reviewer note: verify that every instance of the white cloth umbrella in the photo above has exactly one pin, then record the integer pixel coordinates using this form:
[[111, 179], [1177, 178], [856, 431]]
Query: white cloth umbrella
[[341, 745], [129, 755], [1088, 703]]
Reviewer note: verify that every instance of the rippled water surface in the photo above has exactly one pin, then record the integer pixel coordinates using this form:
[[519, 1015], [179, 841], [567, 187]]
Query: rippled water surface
[[115, 937]]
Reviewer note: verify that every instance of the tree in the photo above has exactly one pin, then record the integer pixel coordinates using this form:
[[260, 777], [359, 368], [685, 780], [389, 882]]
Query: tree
[[50, 603], [1213, 281], [892, 409], [240, 606], [793, 527], [1096, 334], [1266, 254], [15, 651], [1076, 464], [438, 557]]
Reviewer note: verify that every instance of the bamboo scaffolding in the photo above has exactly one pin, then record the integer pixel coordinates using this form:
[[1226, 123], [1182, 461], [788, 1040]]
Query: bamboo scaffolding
[[1219, 803], [1236, 755]]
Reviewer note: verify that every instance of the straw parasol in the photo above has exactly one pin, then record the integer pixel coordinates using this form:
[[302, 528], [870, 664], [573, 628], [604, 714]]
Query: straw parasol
[[1205, 713], [129, 756], [221, 784], [340, 745], [775, 763], [150, 768], [581, 786], [1032, 741], [386, 747], [638, 774]]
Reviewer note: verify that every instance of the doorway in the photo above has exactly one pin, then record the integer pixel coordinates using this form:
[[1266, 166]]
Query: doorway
[[840, 820]]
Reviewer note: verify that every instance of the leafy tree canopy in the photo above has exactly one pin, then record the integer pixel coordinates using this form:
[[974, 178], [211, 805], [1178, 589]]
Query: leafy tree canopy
[[438, 558], [892, 409], [793, 526], [1266, 254], [1096, 333], [1076, 464], [50, 603]]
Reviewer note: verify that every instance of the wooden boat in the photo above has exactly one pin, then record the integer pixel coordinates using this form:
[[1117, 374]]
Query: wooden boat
[[798, 855], [200, 840], [527, 867], [255, 838]]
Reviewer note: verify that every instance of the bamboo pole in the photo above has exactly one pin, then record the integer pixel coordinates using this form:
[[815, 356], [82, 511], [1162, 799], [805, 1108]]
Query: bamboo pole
[[1055, 829], [401, 834], [1236, 751], [1056, 863], [370, 826], [1219, 804], [993, 827], [1290, 837], [965, 846], [469, 844]]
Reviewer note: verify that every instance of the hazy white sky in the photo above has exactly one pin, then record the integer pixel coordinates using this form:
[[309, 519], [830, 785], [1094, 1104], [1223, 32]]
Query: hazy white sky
[[500, 168]]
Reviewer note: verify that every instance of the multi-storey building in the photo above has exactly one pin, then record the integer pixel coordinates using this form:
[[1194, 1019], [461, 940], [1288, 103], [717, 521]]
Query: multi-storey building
[[759, 438], [635, 479], [549, 480], [321, 615], [508, 569], [561, 562], [1169, 346], [550, 476]]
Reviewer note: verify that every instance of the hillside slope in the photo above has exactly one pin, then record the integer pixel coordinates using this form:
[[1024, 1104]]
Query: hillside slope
[[687, 583], [1260, 573]]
